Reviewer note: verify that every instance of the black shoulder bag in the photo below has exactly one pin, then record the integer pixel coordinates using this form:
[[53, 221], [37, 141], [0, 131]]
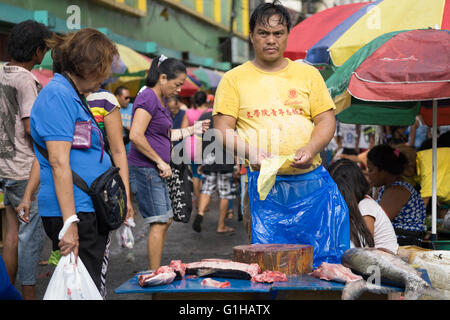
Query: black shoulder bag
[[107, 192]]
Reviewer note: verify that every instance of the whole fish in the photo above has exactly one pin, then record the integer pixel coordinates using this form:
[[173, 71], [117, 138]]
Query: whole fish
[[223, 269], [370, 262]]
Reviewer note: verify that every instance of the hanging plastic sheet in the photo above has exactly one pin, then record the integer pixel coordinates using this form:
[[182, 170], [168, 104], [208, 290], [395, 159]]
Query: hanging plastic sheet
[[268, 173], [302, 209]]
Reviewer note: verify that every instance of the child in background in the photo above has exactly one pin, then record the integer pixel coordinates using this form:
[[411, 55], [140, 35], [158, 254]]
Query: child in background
[[369, 224]]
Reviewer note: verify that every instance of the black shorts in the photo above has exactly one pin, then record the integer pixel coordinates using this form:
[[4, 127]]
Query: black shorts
[[92, 244]]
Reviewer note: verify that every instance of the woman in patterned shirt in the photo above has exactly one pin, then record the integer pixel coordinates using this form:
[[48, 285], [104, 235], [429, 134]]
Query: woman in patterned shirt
[[401, 202]]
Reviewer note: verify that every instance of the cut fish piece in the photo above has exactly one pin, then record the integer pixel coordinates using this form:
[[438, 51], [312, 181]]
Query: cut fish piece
[[208, 282]]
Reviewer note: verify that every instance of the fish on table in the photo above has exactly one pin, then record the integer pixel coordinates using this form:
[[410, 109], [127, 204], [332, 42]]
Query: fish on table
[[372, 263]]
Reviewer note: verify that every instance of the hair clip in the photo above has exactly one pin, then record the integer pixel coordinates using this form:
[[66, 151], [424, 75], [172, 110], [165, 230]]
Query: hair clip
[[161, 59]]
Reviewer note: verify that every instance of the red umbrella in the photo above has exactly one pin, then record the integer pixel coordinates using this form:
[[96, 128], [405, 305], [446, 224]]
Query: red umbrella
[[411, 66], [311, 30], [189, 88]]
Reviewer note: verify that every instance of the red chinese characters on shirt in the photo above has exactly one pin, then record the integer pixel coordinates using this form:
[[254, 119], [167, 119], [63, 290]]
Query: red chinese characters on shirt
[[280, 112], [292, 107]]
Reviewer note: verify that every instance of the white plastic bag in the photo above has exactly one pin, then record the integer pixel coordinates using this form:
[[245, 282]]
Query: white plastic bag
[[71, 281], [125, 235]]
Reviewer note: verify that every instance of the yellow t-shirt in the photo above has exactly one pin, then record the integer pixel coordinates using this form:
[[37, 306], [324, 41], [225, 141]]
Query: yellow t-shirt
[[424, 171], [274, 110]]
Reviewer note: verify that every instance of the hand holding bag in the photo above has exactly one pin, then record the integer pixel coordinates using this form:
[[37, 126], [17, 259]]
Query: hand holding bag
[[70, 280]]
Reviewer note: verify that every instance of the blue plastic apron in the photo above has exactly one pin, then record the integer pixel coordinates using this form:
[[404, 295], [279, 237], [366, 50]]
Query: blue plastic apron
[[302, 209]]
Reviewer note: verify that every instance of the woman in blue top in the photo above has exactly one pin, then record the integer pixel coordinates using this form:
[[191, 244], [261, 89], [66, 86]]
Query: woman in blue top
[[86, 57], [401, 202]]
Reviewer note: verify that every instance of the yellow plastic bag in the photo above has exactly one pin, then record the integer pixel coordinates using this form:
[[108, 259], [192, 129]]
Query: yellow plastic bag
[[268, 173]]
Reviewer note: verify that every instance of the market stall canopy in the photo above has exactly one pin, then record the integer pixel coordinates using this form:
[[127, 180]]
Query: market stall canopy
[[426, 110], [373, 20], [208, 78], [410, 66], [189, 88], [400, 67], [404, 66], [311, 30]]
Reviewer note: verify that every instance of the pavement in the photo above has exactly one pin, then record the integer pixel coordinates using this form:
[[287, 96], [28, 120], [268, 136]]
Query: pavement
[[182, 243]]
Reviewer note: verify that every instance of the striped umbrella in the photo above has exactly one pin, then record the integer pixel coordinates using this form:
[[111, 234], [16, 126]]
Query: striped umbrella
[[208, 78], [368, 22], [390, 72], [311, 30]]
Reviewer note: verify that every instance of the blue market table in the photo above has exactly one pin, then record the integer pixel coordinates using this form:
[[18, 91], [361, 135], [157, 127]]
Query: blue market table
[[302, 287]]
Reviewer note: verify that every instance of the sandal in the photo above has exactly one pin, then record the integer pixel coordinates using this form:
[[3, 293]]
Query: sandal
[[227, 230], [197, 225]]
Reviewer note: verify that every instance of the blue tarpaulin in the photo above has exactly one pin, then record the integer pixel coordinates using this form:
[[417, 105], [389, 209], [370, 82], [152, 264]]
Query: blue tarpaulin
[[302, 209]]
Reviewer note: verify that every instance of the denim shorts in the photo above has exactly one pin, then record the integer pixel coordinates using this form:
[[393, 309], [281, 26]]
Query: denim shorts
[[152, 195], [195, 174], [31, 235]]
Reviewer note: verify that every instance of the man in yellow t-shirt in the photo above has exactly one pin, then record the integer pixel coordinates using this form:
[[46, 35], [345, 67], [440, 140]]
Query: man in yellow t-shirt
[[277, 106]]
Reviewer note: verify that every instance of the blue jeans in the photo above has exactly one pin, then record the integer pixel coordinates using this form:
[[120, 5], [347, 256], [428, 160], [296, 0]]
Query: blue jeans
[[31, 235], [152, 195]]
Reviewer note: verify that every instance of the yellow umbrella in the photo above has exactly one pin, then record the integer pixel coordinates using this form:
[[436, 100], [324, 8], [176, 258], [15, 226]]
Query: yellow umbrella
[[136, 64]]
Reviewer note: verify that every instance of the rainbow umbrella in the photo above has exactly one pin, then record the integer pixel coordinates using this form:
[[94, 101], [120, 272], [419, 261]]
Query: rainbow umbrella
[[208, 78], [311, 30], [396, 69], [189, 88], [370, 21]]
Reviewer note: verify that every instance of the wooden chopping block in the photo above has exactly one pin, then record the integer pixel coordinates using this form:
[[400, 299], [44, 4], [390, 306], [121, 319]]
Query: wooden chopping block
[[287, 258]]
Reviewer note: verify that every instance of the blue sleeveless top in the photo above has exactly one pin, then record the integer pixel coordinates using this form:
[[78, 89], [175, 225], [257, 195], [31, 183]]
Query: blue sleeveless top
[[412, 216]]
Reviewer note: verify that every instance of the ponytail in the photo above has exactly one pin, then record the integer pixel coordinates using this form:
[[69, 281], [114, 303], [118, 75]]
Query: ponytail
[[171, 67], [353, 186]]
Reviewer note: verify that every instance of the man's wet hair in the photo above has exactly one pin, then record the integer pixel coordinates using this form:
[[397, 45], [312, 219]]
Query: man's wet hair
[[25, 38], [264, 11]]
